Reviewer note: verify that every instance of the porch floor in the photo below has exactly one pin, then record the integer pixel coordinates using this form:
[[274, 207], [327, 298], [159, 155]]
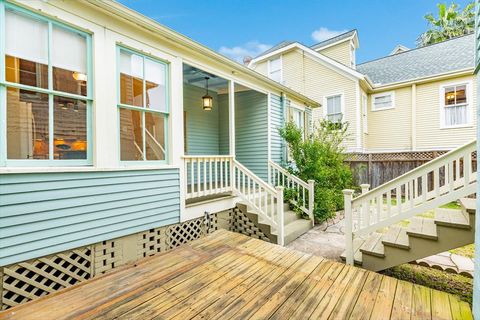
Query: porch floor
[[231, 276]]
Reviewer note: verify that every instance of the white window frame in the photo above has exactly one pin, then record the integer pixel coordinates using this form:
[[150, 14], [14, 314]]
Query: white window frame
[[342, 104], [364, 103], [269, 68], [469, 96], [352, 55], [386, 93]]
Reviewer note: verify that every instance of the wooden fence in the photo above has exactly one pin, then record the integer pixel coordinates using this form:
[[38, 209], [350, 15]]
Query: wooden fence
[[378, 168]]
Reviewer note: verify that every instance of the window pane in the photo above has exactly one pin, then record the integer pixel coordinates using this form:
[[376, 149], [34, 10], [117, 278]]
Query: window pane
[[155, 136], [155, 85], [131, 140], [383, 101], [455, 115], [131, 79], [69, 61], [70, 129], [461, 94], [334, 104], [26, 57], [275, 65], [26, 72], [27, 125], [449, 96]]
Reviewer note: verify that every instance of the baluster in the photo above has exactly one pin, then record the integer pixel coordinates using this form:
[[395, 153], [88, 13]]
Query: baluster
[[248, 188], [436, 181], [243, 183], [379, 203], [424, 187], [223, 179], [303, 197], [204, 176], [398, 196], [415, 189], [266, 201], [450, 176], [389, 203], [367, 213], [216, 174], [210, 175], [410, 193], [198, 177], [467, 168], [457, 169]]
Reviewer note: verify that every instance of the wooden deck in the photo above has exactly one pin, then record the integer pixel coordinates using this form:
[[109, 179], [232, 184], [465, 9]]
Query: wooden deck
[[230, 276]]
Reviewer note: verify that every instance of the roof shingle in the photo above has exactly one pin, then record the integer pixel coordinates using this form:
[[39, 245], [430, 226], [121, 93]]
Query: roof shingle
[[448, 56]]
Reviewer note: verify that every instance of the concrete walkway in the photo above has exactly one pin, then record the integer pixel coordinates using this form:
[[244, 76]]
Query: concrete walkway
[[328, 240]]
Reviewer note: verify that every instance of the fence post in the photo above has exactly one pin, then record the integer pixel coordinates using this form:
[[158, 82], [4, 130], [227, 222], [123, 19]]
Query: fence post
[[280, 216], [365, 187], [311, 200], [348, 196]]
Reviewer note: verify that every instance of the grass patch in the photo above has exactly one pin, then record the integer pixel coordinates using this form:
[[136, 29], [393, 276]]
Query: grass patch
[[466, 251], [435, 279], [452, 205]]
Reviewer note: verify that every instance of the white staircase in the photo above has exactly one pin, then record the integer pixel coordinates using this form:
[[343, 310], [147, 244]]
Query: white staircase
[[375, 237], [262, 202]]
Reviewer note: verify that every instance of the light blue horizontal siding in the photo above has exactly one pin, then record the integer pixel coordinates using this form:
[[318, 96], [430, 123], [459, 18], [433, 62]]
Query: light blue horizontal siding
[[43, 213], [276, 122], [251, 131]]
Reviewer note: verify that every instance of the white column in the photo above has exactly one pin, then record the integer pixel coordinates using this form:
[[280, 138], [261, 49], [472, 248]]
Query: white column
[[231, 117]]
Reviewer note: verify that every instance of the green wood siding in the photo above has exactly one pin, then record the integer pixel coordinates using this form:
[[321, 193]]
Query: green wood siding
[[251, 134], [277, 120], [44, 213]]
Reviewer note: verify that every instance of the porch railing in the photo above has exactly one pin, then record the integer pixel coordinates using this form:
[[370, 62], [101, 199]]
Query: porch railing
[[207, 175], [302, 193], [440, 181], [263, 198]]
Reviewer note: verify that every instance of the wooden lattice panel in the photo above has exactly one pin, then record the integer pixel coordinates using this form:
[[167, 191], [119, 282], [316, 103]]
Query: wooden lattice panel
[[242, 224], [107, 256], [151, 242], [35, 278], [182, 233], [395, 156]]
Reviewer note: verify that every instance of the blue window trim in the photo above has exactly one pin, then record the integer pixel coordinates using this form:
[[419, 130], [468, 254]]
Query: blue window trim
[[144, 110], [51, 93]]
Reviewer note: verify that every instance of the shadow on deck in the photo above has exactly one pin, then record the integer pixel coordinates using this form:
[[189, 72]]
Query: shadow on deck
[[231, 276]]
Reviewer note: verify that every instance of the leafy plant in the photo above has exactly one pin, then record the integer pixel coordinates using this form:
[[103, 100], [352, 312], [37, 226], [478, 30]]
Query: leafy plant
[[451, 22], [292, 194], [320, 157]]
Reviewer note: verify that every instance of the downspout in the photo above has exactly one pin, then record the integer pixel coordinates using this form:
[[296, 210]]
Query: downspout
[[414, 117]]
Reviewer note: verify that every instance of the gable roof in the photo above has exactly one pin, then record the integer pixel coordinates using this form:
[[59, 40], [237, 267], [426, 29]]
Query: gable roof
[[399, 49], [449, 56], [340, 37], [280, 45]]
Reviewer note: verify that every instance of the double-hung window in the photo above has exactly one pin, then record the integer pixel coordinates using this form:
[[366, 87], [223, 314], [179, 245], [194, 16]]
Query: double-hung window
[[275, 69], [45, 91], [383, 101], [455, 105], [334, 109], [298, 118], [143, 107]]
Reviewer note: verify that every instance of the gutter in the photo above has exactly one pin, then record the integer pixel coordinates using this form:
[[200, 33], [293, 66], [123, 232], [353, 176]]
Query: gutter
[[118, 10]]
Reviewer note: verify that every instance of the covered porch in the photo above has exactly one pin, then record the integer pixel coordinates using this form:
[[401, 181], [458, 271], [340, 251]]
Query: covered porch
[[231, 276]]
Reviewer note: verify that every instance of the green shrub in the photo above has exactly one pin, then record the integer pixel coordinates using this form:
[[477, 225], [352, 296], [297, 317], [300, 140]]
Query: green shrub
[[320, 157]]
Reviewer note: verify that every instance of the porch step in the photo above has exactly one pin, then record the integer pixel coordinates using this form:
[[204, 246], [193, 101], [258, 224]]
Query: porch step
[[449, 229], [422, 228], [295, 229]]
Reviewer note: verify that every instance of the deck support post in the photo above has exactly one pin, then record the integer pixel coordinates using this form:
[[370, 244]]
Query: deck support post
[[311, 200], [348, 196], [280, 216]]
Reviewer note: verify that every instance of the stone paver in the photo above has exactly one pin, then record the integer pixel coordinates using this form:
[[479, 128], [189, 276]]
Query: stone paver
[[328, 240]]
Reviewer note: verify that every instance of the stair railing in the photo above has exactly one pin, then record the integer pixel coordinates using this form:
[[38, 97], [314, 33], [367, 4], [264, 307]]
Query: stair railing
[[263, 198], [304, 192], [435, 183]]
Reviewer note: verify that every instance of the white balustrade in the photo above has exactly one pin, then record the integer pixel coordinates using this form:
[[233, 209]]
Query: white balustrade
[[302, 193], [435, 183]]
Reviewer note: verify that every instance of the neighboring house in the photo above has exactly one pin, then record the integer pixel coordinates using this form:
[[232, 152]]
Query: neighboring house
[[414, 100], [114, 127]]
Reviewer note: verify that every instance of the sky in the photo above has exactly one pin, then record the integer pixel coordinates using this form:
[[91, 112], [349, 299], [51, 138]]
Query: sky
[[237, 28]]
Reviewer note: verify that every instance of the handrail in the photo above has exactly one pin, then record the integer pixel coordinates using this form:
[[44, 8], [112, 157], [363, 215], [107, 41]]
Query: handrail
[[205, 156], [306, 190], [412, 193], [263, 198], [410, 173]]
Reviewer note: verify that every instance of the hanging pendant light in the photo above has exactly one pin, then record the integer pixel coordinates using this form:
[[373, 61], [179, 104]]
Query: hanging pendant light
[[207, 99]]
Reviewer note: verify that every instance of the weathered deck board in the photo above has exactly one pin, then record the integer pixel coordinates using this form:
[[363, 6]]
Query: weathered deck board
[[228, 275]]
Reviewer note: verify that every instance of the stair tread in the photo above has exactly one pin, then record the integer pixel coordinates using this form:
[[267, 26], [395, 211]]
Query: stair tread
[[469, 204], [294, 225], [453, 217], [422, 227], [396, 236], [373, 245]]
